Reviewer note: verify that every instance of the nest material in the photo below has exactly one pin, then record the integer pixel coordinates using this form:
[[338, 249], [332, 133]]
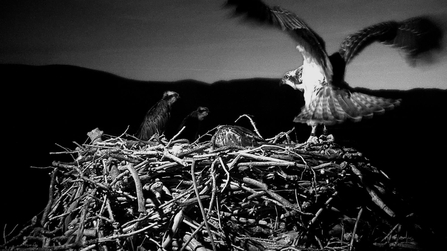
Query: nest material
[[120, 194]]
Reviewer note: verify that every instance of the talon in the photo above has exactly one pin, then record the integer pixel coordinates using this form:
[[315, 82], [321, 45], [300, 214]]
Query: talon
[[325, 131], [327, 138], [313, 139]]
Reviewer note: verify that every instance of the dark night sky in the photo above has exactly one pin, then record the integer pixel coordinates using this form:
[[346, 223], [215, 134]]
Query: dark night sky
[[176, 39], [169, 40]]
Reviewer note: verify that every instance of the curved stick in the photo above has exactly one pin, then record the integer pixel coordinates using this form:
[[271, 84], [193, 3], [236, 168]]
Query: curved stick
[[138, 188], [351, 245], [196, 190]]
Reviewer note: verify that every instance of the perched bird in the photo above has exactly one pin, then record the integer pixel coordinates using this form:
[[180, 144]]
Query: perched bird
[[158, 115], [193, 123], [328, 98]]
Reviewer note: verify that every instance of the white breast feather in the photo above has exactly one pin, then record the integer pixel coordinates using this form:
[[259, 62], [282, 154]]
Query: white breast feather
[[312, 79]]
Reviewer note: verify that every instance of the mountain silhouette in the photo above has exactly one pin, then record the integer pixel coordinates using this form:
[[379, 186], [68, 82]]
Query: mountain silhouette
[[46, 107]]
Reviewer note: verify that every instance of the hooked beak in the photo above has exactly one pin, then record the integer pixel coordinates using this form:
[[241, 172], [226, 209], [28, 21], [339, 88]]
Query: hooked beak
[[292, 78], [287, 80]]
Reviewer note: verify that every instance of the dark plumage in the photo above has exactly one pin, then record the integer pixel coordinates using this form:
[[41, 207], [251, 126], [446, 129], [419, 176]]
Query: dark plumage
[[328, 98], [193, 123], [158, 115]]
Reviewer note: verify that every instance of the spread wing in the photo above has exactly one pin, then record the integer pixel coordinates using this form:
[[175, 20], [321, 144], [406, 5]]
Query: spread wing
[[310, 41], [415, 37]]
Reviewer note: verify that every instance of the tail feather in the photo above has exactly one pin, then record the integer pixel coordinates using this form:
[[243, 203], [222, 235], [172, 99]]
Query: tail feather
[[336, 106], [351, 109], [327, 114], [337, 109], [318, 114], [364, 104]]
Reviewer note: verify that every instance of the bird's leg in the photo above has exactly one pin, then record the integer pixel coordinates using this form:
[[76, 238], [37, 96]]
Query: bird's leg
[[313, 138], [326, 136]]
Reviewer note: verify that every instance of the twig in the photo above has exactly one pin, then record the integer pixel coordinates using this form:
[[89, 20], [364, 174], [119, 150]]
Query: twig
[[326, 204], [200, 205], [374, 197], [138, 188], [50, 198], [178, 218], [263, 158], [213, 192], [174, 158], [274, 187], [226, 172], [252, 123], [351, 245], [175, 136], [193, 243], [191, 237]]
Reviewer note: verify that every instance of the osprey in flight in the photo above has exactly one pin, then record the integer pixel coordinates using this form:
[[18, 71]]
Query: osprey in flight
[[328, 98], [158, 115]]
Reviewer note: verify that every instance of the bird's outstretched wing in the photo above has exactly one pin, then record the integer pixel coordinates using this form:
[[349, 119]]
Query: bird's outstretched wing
[[331, 106], [414, 36], [310, 41]]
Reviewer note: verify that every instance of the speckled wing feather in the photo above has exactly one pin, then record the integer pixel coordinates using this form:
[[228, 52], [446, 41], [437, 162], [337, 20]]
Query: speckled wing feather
[[413, 36], [237, 136], [330, 106], [312, 43]]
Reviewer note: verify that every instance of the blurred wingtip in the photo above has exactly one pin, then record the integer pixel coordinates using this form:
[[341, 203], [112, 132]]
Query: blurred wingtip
[[250, 11], [432, 47]]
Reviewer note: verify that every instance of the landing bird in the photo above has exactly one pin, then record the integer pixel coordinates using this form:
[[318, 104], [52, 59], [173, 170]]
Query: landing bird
[[158, 115], [193, 123], [328, 98]]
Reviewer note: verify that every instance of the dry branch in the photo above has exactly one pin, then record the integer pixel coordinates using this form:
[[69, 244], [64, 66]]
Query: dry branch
[[122, 194]]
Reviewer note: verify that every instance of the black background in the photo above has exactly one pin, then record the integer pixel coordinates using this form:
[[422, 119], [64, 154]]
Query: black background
[[47, 106]]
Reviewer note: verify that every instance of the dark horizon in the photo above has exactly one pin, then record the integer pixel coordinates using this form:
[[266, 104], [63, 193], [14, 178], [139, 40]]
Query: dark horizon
[[54, 106], [201, 82]]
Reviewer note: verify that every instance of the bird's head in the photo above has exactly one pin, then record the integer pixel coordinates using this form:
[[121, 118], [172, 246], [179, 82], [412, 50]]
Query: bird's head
[[170, 97], [293, 79], [202, 112]]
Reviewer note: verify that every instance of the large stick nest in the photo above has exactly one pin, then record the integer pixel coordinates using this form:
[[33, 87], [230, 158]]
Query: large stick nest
[[119, 193]]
